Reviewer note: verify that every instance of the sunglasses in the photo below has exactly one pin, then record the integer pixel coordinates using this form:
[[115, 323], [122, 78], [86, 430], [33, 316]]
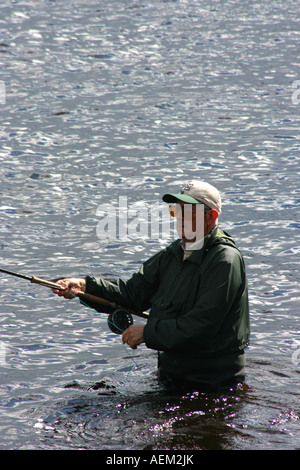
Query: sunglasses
[[173, 208]]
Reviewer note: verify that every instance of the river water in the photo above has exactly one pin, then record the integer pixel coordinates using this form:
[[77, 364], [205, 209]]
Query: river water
[[103, 102]]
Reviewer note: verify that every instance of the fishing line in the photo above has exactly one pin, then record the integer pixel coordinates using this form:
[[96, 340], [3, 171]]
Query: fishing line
[[118, 321], [119, 330]]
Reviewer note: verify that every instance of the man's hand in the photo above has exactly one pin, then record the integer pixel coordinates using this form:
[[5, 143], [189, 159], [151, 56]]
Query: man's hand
[[70, 287], [133, 336]]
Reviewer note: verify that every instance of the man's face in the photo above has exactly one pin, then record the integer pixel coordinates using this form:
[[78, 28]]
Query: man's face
[[190, 222]]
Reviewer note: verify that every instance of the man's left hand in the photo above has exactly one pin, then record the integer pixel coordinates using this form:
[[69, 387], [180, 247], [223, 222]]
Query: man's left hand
[[133, 336]]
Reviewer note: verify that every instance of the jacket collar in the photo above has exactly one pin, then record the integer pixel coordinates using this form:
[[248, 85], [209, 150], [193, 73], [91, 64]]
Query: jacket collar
[[215, 237]]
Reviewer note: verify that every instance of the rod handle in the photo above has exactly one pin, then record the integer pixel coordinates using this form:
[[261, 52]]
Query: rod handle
[[99, 300], [37, 280]]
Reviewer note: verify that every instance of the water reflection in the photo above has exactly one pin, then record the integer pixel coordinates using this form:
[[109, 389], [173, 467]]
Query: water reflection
[[103, 102], [154, 420]]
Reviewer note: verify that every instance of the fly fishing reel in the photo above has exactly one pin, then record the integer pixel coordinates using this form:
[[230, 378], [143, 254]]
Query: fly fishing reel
[[119, 320]]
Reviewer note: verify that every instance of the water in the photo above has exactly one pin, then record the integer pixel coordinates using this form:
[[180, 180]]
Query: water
[[111, 99]]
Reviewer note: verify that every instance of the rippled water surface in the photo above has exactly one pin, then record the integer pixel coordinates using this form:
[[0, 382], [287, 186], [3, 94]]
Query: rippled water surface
[[106, 100]]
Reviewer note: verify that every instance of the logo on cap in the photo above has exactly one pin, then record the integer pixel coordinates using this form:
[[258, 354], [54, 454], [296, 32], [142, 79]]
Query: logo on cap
[[188, 187]]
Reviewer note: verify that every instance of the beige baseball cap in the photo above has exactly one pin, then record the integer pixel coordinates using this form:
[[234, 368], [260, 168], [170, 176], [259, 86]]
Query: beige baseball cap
[[196, 193]]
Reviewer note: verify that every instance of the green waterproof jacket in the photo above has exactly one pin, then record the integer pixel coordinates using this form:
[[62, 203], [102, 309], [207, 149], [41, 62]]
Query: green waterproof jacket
[[199, 314]]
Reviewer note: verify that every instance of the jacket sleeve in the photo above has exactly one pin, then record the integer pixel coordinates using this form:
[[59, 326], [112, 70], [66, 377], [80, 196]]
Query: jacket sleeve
[[201, 327], [134, 293]]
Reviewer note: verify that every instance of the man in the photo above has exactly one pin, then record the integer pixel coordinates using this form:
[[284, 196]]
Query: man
[[196, 290]]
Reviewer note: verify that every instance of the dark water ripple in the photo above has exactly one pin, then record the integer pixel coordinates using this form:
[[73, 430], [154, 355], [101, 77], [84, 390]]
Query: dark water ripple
[[106, 100]]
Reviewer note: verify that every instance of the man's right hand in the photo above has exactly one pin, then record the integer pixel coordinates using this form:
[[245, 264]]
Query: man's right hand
[[70, 287]]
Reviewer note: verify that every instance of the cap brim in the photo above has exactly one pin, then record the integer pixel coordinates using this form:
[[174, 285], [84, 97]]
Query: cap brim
[[171, 198]]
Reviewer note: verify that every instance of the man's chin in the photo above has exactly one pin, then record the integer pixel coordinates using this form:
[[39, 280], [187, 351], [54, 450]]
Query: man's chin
[[188, 240]]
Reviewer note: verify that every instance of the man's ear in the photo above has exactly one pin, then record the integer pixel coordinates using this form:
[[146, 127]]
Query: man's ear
[[212, 216]]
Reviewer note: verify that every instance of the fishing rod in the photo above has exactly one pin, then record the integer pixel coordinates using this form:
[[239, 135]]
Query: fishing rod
[[34, 279], [119, 318]]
